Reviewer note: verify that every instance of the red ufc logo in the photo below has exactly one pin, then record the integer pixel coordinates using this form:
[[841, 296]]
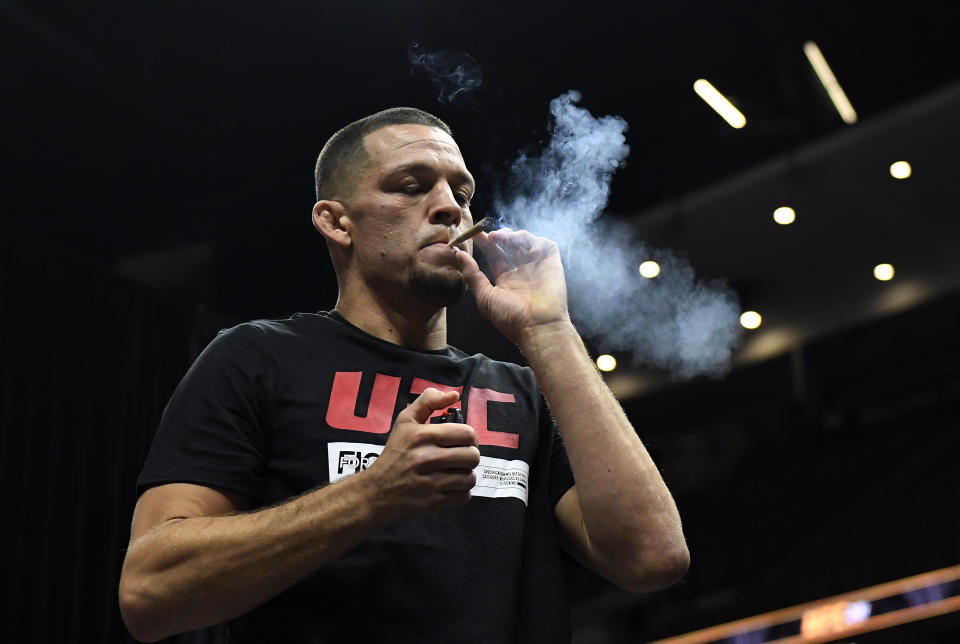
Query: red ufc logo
[[341, 412]]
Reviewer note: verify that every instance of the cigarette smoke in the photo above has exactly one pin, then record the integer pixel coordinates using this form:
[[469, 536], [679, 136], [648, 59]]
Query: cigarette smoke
[[453, 73], [673, 321]]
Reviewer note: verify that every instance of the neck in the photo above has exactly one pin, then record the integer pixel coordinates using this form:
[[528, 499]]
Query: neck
[[413, 326]]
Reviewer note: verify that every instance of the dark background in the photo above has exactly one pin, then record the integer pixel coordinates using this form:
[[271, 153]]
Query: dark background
[[158, 185]]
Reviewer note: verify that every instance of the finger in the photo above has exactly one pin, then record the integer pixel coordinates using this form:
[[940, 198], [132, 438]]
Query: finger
[[455, 435], [461, 458], [518, 239], [525, 247], [454, 480], [476, 280], [495, 255], [507, 237], [449, 458], [428, 402], [460, 471]]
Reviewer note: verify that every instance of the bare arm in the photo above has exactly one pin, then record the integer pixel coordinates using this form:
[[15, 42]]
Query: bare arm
[[619, 519], [193, 561]]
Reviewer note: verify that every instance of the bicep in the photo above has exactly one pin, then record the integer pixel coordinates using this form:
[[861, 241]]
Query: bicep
[[173, 501]]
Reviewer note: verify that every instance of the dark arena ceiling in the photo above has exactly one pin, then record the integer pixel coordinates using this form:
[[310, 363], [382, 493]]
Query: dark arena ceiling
[[172, 144]]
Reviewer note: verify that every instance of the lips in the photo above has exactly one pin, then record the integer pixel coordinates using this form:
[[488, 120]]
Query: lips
[[443, 237], [442, 245], [442, 241]]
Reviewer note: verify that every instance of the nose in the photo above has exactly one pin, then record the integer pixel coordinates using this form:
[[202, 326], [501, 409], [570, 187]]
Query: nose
[[444, 208]]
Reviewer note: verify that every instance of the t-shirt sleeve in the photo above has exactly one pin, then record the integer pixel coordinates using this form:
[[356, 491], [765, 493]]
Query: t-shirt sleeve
[[212, 429]]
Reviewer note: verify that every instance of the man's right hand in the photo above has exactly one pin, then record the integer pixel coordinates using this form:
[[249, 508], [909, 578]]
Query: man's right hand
[[425, 467]]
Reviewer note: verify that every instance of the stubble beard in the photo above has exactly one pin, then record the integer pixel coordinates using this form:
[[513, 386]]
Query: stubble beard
[[434, 286]]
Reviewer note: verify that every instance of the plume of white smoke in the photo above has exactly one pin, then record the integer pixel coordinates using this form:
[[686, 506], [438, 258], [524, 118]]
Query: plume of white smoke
[[673, 321], [454, 73]]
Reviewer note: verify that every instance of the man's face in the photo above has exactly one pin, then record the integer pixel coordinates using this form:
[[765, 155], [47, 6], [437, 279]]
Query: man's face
[[409, 200]]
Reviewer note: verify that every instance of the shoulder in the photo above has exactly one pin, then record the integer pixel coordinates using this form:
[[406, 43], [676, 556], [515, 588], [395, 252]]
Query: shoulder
[[484, 360], [266, 333], [498, 370], [297, 324], [262, 343]]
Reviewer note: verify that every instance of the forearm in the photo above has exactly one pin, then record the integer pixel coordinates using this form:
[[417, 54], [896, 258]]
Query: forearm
[[628, 512], [193, 572]]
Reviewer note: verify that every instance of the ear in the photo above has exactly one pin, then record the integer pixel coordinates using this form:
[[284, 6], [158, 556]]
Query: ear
[[331, 220]]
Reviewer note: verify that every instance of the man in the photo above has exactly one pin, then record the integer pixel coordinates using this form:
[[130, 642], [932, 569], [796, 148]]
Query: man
[[298, 488]]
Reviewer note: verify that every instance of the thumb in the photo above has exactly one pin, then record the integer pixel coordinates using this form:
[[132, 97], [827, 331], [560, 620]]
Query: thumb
[[475, 278], [430, 401]]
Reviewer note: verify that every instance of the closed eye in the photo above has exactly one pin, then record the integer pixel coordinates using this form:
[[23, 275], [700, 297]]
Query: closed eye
[[410, 189]]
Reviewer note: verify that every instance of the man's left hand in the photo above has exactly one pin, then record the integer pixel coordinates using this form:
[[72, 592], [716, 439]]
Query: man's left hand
[[529, 291]]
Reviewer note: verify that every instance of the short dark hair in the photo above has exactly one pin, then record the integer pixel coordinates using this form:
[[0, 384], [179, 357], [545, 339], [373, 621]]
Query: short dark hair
[[344, 152]]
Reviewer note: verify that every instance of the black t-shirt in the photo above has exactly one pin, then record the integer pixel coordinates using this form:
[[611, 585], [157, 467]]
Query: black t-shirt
[[273, 409]]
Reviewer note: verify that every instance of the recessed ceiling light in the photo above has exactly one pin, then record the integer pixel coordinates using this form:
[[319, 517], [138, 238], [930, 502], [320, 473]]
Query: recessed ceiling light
[[900, 170], [649, 269], [784, 215], [883, 272], [750, 320], [606, 362]]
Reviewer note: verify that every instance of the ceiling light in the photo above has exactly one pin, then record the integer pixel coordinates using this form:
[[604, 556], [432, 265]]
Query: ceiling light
[[829, 81], [750, 320], [606, 362], [719, 102], [900, 170], [784, 215], [883, 272], [649, 269]]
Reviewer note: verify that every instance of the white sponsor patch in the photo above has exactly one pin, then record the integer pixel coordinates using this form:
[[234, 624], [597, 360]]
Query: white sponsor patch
[[496, 477], [349, 458]]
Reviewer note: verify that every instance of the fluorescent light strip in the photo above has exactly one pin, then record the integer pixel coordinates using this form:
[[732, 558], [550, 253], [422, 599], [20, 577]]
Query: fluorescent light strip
[[795, 614], [719, 103], [829, 81]]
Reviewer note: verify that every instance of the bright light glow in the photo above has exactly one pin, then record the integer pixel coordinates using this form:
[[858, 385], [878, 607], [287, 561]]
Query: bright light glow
[[719, 103], [857, 611], [649, 269], [784, 215], [750, 320], [829, 81], [883, 272], [606, 362], [821, 621], [900, 170]]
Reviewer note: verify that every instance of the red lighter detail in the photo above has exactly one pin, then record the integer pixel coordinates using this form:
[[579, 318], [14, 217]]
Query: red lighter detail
[[420, 384]]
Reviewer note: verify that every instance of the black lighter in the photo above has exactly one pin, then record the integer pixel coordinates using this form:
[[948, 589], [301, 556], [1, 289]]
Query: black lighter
[[452, 415]]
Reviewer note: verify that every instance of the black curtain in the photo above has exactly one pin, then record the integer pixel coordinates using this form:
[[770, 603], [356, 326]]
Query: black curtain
[[88, 362]]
